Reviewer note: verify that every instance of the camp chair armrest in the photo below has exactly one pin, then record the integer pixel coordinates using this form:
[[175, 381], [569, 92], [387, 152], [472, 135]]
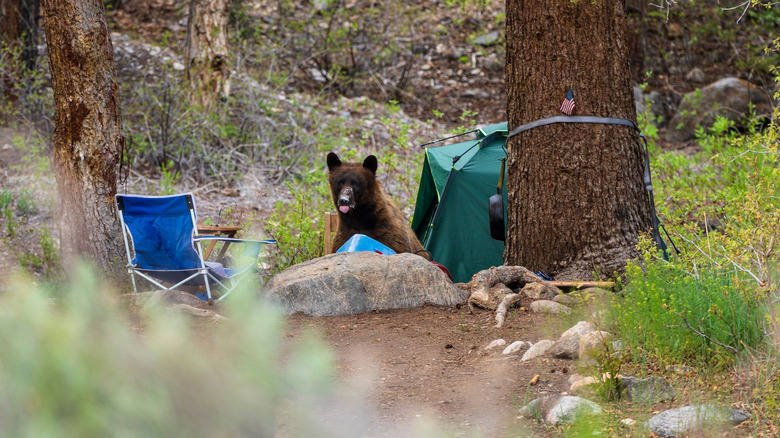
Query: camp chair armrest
[[232, 240]]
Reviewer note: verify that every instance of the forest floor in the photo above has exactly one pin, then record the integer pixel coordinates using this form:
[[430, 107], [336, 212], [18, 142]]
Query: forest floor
[[431, 363]]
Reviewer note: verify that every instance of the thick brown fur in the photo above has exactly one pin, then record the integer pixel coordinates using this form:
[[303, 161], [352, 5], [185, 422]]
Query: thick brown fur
[[368, 209]]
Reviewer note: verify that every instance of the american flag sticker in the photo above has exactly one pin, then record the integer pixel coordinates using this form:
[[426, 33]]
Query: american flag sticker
[[567, 107]]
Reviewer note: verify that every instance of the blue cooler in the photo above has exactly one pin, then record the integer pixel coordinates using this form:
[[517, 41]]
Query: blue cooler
[[361, 242]]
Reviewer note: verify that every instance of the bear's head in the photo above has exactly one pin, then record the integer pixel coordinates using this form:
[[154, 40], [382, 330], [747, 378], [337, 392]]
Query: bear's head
[[352, 184]]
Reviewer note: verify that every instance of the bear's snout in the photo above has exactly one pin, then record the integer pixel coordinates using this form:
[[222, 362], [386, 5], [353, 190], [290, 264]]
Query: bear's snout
[[346, 200]]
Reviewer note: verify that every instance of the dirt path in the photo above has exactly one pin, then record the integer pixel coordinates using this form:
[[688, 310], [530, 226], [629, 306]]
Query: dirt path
[[431, 362]]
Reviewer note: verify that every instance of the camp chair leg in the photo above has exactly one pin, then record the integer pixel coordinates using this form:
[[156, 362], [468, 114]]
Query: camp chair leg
[[132, 277], [208, 288]]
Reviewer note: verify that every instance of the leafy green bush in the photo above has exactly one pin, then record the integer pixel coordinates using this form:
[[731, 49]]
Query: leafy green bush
[[724, 201], [668, 314], [27, 81], [712, 303], [297, 225], [74, 365]]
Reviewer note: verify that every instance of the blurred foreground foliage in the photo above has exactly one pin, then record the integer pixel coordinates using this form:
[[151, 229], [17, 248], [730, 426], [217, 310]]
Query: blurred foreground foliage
[[77, 363]]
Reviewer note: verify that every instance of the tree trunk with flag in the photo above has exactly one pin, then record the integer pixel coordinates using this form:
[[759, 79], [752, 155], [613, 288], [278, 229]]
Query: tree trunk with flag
[[577, 200]]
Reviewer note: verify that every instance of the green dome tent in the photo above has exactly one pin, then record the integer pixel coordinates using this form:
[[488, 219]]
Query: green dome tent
[[451, 212]]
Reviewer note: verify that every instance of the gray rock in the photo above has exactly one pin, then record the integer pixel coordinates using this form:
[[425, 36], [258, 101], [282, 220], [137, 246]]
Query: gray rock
[[540, 291], [728, 97], [564, 299], [579, 329], [557, 409], [349, 283], [647, 391], [514, 347], [695, 75], [679, 421], [592, 295], [568, 346], [496, 343], [652, 100], [486, 40], [478, 94], [537, 350], [547, 306], [591, 345]]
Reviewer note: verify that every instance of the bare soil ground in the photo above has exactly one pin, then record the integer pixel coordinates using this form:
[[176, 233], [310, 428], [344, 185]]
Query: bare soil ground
[[431, 362]]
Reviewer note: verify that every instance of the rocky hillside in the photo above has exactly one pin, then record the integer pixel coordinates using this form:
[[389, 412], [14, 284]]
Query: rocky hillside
[[455, 59]]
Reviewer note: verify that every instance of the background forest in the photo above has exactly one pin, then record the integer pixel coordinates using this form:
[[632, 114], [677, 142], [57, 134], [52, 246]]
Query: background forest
[[306, 78]]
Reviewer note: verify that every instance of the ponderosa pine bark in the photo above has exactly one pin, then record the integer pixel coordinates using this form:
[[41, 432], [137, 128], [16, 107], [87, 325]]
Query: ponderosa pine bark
[[206, 51], [87, 132], [577, 201]]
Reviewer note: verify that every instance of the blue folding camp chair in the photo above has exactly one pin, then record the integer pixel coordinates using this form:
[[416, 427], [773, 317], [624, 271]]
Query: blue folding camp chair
[[166, 247]]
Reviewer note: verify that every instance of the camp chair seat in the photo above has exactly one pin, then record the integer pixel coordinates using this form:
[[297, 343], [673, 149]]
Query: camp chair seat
[[167, 251]]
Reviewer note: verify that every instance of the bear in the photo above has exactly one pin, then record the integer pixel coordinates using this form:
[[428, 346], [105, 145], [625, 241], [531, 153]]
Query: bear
[[364, 208]]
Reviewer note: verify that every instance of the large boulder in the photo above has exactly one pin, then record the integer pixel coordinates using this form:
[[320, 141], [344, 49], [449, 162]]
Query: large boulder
[[356, 282], [687, 419], [728, 97]]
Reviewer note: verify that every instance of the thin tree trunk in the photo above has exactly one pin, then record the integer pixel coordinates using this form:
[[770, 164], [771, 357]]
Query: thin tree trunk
[[10, 32], [18, 29], [577, 203], [206, 51], [87, 132]]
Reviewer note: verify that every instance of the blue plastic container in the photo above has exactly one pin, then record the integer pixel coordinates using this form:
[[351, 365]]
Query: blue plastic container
[[361, 242]]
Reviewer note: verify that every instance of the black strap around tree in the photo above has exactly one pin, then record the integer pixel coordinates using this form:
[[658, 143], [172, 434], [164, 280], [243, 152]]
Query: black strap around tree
[[611, 121]]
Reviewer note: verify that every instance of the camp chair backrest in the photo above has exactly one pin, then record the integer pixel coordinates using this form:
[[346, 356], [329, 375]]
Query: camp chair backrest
[[161, 228]]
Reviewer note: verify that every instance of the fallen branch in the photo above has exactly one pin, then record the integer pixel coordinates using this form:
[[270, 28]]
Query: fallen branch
[[580, 284], [506, 303]]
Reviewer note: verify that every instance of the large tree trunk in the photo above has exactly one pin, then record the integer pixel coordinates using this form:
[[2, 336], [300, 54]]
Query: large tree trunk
[[206, 51], [87, 131], [577, 202]]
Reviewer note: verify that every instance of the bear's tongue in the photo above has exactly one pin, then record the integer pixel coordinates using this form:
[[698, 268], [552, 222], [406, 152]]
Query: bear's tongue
[[344, 209]]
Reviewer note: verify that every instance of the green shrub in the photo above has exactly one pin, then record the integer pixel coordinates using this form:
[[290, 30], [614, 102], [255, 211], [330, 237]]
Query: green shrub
[[668, 314], [298, 225], [75, 366], [722, 205]]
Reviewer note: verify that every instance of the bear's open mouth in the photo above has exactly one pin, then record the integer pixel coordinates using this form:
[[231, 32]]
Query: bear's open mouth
[[345, 208]]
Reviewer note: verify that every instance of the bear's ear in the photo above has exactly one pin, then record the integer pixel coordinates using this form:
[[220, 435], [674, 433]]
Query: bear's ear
[[370, 163], [333, 161]]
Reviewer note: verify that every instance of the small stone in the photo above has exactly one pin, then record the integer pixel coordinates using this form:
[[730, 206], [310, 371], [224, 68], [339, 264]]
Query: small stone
[[495, 343], [540, 291], [486, 40], [551, 307], [514, 347], [695, 75], [537, 350], [648, 391]]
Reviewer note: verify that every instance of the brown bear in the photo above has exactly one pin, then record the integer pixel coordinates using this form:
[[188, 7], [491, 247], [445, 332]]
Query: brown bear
[[364, 208]]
